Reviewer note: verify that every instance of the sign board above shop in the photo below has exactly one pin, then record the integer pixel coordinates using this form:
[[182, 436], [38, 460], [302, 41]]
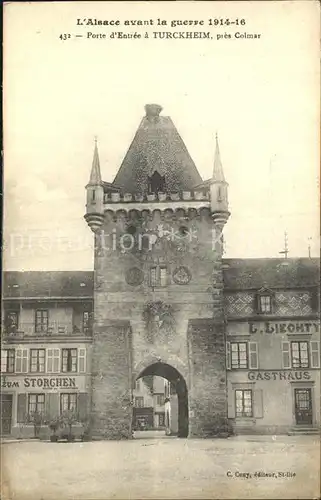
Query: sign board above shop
[[292, 327], [39, 382]]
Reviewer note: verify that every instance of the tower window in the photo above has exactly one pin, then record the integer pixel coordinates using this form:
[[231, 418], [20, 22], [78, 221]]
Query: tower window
[[93, 195], [158, 276], [156, 183]]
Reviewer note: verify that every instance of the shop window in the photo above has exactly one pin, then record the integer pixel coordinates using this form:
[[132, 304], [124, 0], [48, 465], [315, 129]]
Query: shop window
[[158, 276], [69, 360], [160, 399], [68, 402], [243, 403], [139, 402], [41, 321], [299, 355], [36, 404], [37, 360], [239, 355], [7, 360]]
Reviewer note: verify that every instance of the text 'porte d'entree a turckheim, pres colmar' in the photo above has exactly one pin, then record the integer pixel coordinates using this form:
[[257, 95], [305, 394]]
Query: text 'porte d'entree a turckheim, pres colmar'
[[236, 340]]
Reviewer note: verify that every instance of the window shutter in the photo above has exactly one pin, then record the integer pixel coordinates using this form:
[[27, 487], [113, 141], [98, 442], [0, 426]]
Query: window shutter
[[228, 355], [49, 360], [21, 408], [82, 406], [286, 361], [230, 403], [258, 409], [4, 365], [52, 405], [253, 356], [82, 360], [56, 361], [315, 353], [21, 360]]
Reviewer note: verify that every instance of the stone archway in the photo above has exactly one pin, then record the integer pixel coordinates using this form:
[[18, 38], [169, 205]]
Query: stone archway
[[170, 373]]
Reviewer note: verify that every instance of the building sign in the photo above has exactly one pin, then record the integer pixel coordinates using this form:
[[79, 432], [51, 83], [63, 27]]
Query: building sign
[[277, 375], [284, 327], [40, 382]]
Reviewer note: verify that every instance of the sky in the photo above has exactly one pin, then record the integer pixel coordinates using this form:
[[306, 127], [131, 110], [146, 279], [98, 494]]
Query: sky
[[260, 95]]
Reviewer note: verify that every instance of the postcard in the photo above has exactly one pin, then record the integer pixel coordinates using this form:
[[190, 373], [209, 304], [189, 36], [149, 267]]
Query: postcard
[[161, 296]]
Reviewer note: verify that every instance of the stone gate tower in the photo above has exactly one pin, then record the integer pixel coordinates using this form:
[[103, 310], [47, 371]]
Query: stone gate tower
[[158, 293]]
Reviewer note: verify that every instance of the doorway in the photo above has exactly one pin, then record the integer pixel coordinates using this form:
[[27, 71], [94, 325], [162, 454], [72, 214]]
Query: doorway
[[162, 400], [6, 414], [303, 406]]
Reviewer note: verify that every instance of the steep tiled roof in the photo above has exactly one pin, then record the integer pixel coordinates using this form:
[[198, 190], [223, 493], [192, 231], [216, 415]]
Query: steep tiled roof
[[158, 146], [271, 273], [238, 274], [47, 284]]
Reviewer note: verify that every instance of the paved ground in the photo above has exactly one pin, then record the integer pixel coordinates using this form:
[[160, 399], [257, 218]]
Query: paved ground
[[155, 467]]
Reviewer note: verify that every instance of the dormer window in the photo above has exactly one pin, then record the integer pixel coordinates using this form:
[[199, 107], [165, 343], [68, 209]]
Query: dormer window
[[265, 304], [156, 183], [265, 299]]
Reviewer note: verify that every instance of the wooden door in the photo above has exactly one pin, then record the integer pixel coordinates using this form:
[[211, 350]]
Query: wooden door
[[303, 406]]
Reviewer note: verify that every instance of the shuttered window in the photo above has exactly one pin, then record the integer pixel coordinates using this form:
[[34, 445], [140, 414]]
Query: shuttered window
[[243, 403], [36, 403], [7, 360], [299, 355], [69, 360], [37, 360], [239, 356]]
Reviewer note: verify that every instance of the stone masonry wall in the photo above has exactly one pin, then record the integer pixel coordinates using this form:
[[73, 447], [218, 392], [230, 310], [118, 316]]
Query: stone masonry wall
[[111, 381], [119, 302]]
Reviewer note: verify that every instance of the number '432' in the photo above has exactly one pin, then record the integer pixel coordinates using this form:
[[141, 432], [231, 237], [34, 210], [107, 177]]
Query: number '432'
[[65, 36]]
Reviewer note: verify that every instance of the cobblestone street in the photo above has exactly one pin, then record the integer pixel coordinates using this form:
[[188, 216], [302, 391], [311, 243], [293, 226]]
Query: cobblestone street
[[157, 467]]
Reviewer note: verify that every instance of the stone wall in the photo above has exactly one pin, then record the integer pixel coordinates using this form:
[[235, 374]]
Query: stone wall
[[111, 381]]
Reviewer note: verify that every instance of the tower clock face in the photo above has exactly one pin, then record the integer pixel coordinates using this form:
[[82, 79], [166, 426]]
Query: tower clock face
[[182, 275], [134, 276]]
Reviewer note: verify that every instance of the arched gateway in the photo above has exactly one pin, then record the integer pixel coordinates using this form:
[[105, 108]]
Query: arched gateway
[[158, 293], [178, 382]]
